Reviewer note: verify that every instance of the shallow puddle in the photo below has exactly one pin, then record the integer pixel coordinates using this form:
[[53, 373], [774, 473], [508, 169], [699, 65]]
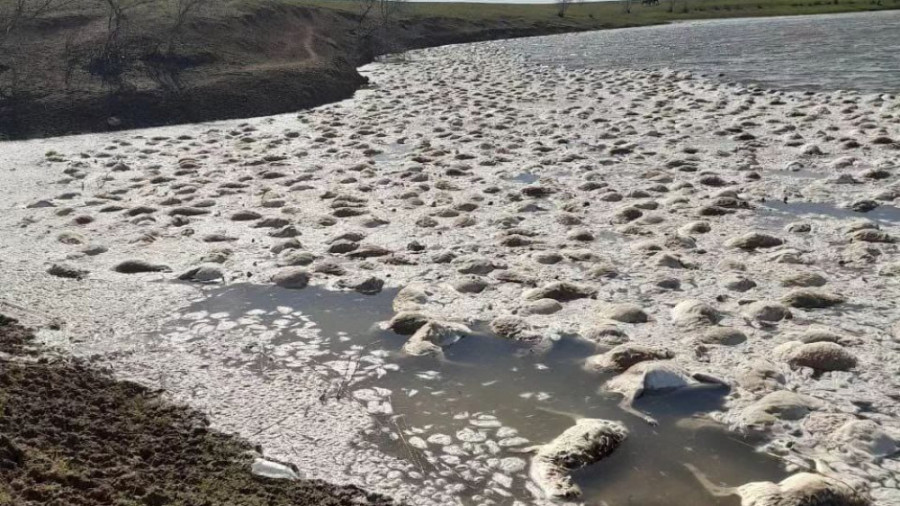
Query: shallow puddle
[[820, 211], [490, 399], [525, 178], [798, 174], [392, 153]]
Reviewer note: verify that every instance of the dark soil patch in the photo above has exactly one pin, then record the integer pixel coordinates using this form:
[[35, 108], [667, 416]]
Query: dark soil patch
[[238, 61], [71, 435], [13, 338], [237, 94]]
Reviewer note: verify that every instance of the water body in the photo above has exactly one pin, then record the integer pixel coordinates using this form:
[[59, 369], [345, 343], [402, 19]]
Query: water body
[[487, 378], [833, 52], [886, 214], [525, 178]]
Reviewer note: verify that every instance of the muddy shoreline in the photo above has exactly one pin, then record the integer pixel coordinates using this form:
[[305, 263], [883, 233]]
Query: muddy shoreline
[[630, 212], [72, 435], [234, 93], [248, 63], [242, 61]]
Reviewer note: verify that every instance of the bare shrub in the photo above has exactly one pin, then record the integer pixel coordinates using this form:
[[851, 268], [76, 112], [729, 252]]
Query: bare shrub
[[377, 24], [562, 7], [163, 64], [14, 16], [112, 60], [182, 12]]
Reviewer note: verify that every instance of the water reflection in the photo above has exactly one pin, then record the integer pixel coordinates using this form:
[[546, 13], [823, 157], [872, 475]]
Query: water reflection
[[505, 390]]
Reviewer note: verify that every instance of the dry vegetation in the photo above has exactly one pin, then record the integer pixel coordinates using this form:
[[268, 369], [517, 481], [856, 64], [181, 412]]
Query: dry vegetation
[[613, 13]]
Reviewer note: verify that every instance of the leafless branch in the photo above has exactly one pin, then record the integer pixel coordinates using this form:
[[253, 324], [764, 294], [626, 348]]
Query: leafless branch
[[182, 11], [562, 7], [378, 17], [14, 13]]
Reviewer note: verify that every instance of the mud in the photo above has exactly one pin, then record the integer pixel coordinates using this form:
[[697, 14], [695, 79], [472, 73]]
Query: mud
[[647, 226], [72, 435]]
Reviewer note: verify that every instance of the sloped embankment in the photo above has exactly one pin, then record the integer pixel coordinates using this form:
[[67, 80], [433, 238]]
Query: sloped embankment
[[72, 435], [237, 62]]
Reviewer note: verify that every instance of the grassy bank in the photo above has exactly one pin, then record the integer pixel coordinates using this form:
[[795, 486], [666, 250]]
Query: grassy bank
[[614, 14], [67, 71], [71, 435]]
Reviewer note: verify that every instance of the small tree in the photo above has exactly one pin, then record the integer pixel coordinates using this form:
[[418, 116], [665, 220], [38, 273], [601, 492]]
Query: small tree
[[562, 6], [374, 13], [182, 12], [165, 66], [390, 10], [71, 60], [111, 60], [377, 19]]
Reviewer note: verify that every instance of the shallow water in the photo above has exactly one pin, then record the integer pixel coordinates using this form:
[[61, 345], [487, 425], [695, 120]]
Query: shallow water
[[525, 178], [391, 153], [885, 214], [846, 51], [524, 388]]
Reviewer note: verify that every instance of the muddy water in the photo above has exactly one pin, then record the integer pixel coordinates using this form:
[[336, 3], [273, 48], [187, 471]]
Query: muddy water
[[501, 390]]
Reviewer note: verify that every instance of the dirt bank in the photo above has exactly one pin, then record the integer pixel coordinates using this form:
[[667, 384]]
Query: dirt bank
[[234, 62], [70, 435], [60, 74]]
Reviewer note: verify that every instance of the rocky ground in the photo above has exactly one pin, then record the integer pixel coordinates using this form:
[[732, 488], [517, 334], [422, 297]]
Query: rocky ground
[[663, 217]]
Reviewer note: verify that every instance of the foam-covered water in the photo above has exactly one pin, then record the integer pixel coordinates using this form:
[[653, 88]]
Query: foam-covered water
[[825, 52], [500, 389]]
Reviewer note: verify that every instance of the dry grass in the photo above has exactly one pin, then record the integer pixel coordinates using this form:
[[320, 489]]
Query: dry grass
[[613, 13]]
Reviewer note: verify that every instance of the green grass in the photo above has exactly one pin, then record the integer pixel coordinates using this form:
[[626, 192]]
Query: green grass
[[613, 13]]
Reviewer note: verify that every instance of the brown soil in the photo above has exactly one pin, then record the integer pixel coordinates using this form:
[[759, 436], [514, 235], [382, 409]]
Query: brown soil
[[238, 62], [71, 435], [231, 63]]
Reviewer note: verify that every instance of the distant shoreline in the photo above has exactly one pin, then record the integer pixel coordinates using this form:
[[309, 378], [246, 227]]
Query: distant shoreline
[[282, 57]]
